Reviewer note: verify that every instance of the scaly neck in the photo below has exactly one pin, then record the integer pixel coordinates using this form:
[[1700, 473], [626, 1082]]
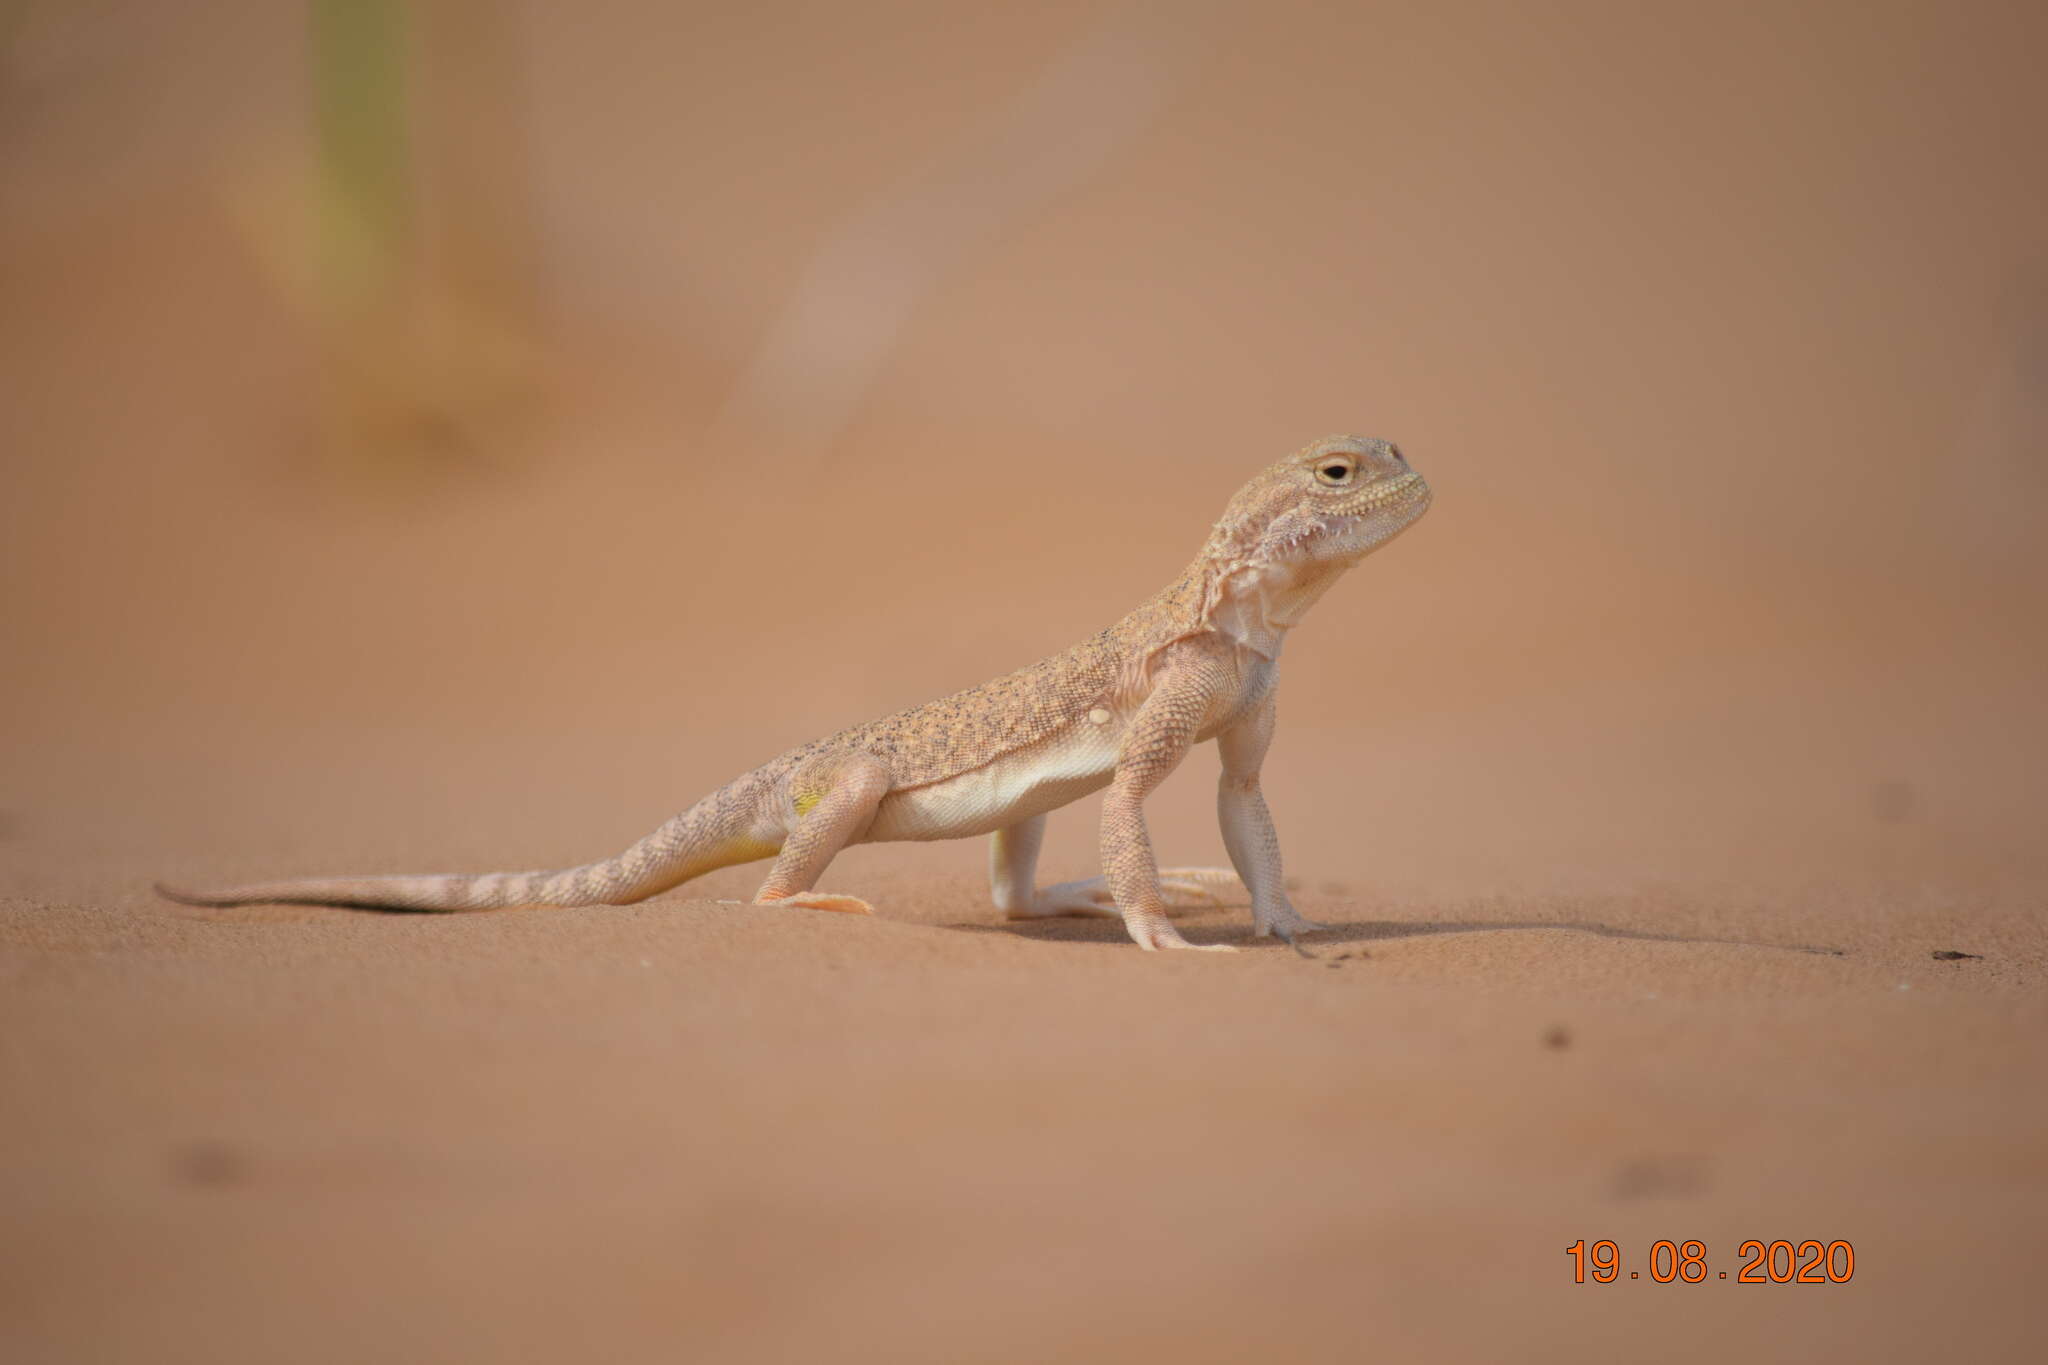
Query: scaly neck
[[1255, 605]]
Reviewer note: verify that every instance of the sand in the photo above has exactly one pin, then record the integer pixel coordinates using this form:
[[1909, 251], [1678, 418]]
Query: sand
[[704, 1131]]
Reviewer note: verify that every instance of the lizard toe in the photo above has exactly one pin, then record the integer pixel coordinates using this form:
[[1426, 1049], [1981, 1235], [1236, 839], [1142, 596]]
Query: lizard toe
[[819, 900]]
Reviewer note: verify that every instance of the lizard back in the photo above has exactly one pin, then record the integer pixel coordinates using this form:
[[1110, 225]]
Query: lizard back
[[967, 730]]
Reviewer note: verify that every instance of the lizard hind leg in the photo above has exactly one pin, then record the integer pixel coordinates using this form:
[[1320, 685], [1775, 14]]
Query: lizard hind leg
[[832, 808]]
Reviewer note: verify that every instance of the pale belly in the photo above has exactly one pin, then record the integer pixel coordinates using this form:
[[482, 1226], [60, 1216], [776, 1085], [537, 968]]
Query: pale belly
[[1061, 768]]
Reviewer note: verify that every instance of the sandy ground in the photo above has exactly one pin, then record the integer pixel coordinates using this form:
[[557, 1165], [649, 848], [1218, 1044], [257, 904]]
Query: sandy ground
[[704, 1131], [1645, 781]]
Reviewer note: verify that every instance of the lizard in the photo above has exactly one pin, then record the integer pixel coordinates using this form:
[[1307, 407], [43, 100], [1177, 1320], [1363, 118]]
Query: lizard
[[1194, 662]]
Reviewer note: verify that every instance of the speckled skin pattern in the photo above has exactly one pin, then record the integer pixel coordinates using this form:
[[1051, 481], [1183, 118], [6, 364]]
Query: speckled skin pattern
[[1197, 661]]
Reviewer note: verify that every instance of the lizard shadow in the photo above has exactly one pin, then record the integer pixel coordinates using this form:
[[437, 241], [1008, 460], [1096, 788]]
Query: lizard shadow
[[1341, 934]]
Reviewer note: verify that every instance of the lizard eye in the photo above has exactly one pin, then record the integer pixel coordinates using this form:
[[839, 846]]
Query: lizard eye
[[1335, 473]]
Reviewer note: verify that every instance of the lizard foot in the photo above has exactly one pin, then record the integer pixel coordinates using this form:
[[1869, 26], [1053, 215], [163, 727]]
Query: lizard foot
[[1159, 935], [1284, 923], [820, 900], [1193, 888], [1089, 899]]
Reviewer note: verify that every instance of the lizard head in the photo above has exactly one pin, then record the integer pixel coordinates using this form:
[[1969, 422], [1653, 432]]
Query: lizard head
[[1294, 529], [1331, 502]]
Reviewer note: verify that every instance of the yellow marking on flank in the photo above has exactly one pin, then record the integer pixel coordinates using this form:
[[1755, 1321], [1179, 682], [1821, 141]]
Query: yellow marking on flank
[[807, 802]]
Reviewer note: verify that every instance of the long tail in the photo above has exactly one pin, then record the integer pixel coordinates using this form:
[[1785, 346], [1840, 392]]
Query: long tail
[[716, 832]]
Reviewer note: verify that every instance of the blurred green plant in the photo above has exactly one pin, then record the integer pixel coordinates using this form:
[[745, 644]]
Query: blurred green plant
[[360, 124], [402, 240]]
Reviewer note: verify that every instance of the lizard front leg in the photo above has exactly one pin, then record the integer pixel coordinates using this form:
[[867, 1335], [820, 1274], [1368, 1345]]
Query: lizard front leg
[[1154, 744], [1013, 881], [1247, 825]]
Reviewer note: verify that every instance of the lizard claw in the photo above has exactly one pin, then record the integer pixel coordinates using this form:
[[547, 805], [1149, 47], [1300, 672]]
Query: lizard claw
[[1284, 925], [1286, 934]]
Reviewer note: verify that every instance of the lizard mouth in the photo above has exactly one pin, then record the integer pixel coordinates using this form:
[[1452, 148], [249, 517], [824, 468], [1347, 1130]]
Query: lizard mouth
[[1408, 488], [1379, 515]]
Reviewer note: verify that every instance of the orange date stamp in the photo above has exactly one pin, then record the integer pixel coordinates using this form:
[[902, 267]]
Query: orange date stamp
[[1778, 1262]]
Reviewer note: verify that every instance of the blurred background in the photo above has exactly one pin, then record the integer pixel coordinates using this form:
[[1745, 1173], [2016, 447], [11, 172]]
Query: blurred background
[[469, 431]]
